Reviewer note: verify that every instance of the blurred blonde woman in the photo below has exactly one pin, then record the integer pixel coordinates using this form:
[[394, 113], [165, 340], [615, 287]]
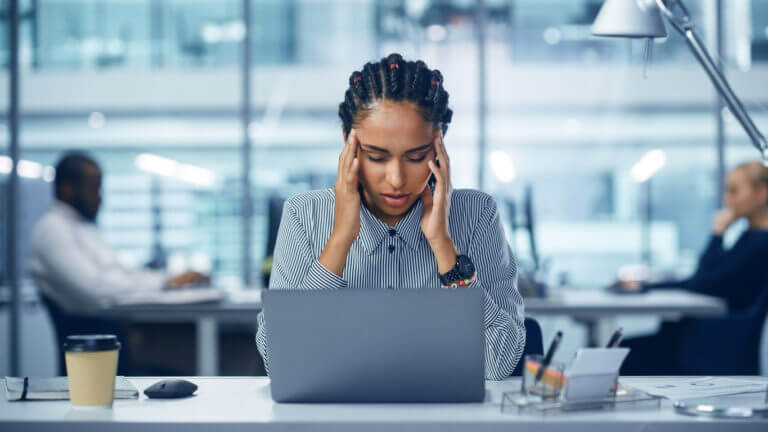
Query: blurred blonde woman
[[737, 275]]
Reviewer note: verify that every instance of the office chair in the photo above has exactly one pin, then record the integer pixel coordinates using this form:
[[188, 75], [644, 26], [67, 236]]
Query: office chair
[[66, 324], [728, 345], [274, 215], [534, 343]]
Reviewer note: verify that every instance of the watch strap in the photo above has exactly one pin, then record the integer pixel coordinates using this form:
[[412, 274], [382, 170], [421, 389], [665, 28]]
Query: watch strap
[[461, 283]]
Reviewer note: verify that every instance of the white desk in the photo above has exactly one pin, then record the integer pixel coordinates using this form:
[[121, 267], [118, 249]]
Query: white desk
[[241, 308], [244, 404], [597, 309]]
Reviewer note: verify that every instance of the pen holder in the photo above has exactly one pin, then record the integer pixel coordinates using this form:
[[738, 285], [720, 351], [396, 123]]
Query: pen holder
[[552, 380]]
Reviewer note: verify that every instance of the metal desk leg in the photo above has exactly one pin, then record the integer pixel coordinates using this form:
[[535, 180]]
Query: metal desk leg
[[207, 346]]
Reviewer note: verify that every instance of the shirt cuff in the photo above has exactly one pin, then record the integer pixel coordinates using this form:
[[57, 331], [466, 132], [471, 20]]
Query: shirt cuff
[[319, 277], [153, 280]]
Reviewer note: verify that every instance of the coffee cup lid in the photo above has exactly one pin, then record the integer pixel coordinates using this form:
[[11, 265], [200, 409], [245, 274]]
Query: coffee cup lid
[[90, 343]]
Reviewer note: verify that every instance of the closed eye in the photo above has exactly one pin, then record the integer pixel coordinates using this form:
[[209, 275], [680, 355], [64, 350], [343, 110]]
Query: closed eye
[[382, 158]]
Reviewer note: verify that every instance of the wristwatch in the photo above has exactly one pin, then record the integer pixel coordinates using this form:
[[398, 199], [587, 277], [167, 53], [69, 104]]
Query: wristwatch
[[462, 274]]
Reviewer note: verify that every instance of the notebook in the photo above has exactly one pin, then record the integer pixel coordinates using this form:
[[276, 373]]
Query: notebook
[[58, 388]]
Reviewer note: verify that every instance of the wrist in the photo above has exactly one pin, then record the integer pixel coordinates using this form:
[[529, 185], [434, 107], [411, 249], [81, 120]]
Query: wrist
[[445, 254], [341, 240], [719, 230], [461, 275]]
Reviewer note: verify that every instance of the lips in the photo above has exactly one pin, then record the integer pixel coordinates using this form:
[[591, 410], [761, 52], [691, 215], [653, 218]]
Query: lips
[[395, 200]]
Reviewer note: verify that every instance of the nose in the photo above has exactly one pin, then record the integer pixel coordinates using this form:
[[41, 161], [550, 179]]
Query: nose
[[396, 175]]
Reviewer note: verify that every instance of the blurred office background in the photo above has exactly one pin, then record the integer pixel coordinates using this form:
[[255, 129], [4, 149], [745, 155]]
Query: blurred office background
[[196, 137]]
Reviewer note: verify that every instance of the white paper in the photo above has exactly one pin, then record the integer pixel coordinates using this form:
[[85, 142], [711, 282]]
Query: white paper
[[691, 388]]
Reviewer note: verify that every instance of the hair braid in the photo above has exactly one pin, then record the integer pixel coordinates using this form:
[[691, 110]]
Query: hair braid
[[395, 79]]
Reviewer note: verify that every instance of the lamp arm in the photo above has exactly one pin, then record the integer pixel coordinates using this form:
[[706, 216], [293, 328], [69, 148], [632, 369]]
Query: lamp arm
[[686, 29]]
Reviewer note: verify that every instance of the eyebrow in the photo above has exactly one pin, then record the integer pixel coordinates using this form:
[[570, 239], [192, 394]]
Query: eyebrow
[[383, 150]]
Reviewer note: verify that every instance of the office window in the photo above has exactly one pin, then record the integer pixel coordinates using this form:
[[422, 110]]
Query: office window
[[131, 82], [567, 114], [88, 34], [759, 30]]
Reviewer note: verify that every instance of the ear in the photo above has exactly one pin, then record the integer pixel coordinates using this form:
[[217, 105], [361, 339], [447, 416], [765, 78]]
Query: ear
[[762, 193], [66, 191]]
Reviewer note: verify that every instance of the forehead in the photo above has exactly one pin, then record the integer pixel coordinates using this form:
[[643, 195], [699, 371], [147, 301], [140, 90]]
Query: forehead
[[395, 126], [736, 176]]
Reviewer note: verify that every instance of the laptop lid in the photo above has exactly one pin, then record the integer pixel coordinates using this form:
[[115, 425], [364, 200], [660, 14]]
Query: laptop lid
[[410, 345]]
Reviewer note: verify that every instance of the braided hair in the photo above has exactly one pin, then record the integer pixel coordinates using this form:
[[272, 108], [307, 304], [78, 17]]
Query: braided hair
[[395, 79]]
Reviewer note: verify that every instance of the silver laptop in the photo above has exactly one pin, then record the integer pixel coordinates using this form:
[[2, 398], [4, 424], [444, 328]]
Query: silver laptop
[[410, 345]]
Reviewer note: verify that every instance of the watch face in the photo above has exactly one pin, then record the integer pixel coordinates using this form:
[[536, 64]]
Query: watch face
[[466, 268]]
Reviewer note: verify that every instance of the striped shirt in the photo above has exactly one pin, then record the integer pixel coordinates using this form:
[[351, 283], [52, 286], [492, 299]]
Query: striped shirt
[[399, 257]]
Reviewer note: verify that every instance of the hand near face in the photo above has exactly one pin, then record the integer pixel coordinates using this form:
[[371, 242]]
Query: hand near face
[[437, 203], [346, 223], [723, 219]]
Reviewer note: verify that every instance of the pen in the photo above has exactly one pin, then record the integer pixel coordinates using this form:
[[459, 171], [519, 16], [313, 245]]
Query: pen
[[615, 338], [548, 357]]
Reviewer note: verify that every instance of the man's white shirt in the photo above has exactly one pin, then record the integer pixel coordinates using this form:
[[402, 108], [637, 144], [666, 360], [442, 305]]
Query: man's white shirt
[[73, 266]]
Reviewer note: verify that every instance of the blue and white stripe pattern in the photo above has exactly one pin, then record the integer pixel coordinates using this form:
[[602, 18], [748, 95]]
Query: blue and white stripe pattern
[[399, 257]]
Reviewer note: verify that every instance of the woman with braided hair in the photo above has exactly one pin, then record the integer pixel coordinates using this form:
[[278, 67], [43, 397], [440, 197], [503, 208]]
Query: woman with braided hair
[[392, 219]]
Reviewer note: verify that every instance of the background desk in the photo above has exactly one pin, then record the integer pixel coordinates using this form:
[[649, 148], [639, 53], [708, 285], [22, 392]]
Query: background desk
[[242, 307], [597, 309], [244, 404]]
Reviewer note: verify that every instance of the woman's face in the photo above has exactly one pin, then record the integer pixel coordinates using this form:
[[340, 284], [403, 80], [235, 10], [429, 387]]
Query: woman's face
[[395, 145], [742, 196]]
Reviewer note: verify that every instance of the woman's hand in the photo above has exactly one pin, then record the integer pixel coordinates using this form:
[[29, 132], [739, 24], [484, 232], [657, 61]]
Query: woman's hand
[[346, 221], [346, 210], [723, 219], [437, 205]]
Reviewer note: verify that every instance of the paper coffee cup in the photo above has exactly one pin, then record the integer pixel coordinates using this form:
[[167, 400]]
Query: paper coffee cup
[[91, 368]]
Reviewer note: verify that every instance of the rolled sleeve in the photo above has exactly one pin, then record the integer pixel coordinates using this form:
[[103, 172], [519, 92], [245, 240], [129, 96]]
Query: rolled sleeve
[[503, 305], [294, 265], [320, 277]]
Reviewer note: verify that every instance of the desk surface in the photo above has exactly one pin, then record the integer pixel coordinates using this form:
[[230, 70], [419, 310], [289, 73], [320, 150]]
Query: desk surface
[[575, 302], [601, 303], [245, 404]]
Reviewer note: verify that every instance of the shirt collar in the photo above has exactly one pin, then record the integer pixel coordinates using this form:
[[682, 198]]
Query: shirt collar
[[67, 211], [373, 231]]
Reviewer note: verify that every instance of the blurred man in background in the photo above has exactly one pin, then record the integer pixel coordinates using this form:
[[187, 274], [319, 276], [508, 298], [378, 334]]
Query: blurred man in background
[[70, 261], [77, 272]]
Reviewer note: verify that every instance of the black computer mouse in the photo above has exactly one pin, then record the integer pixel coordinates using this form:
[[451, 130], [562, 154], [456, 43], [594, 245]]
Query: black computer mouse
[[170, 389]]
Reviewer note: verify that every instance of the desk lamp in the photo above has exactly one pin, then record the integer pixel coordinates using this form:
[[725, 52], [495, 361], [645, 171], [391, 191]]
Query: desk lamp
[[643, 19]]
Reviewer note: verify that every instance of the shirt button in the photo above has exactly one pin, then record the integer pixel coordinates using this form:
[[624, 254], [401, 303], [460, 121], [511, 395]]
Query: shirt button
[[392, 233], [391, 248]]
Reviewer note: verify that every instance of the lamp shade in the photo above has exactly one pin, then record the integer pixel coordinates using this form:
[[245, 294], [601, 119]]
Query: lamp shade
[[630, 19]]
